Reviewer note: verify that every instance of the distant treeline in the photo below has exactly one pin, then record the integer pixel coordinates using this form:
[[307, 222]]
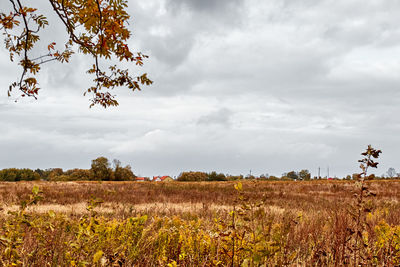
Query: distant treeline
[[18, 175], [100, 170], [203, 176], [214, 176], [303, 175]]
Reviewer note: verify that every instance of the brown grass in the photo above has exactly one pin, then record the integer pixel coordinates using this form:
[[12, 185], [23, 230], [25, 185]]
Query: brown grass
[[311, 219], [207, 198]]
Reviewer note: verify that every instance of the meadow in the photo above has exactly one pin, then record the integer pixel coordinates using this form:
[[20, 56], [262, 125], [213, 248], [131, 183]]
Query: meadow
[[247, 223]]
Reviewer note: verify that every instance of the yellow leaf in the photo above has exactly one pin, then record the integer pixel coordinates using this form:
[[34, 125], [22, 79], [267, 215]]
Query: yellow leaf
[[97, 256], [238, 186]]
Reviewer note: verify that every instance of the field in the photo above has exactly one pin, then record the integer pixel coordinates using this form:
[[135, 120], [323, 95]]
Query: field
[[252, 223]]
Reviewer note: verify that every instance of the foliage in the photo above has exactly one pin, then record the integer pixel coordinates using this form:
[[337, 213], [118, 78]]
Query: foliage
[[79, 174], [97, 28], [203, 176], [259, 223], [122, 173], [55, 174], [234, 177], [101, 169], [304, 175], [301, 231], [12, 235], [13, 175], [192, 176], [358, 242], [214, 176], [292, 175]]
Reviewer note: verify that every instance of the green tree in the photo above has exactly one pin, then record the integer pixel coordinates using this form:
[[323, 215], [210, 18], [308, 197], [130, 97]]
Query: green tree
[[123, 174], [234, 177], [292, 175], [9, 175], [41, 173], [101, 169], [14, 175], [214, 176], [192, 176], [55, 173], [96, 28], [79, 174], [305, 175]]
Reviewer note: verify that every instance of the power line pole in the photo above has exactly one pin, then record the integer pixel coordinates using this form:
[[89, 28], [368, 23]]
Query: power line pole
[[319, 172]]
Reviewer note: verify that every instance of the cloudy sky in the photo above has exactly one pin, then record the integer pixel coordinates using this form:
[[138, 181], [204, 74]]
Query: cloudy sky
[[239, 85]]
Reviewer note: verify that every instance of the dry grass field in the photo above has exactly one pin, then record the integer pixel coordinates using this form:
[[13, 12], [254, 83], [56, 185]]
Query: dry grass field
[[199, 224]]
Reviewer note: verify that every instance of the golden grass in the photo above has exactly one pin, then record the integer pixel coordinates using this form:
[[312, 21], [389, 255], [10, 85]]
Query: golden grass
[[309, 220]]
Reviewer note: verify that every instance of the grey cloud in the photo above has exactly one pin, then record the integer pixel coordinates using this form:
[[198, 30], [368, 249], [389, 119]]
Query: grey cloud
[[171, 36], [357, 34], [172, 50], [270, 86], [219, 117], [212, 6]]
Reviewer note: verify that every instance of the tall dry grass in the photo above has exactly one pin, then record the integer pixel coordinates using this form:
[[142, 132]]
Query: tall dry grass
[[275, 223]]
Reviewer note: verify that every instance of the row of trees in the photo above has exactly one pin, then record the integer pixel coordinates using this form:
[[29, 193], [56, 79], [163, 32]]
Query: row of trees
[[214, 176], [101, 170], [13, 174], [301, 175], [204, 176]]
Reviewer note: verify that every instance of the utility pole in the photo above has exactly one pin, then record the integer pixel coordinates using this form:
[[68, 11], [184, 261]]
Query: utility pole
[[319, 172], [328, 172]]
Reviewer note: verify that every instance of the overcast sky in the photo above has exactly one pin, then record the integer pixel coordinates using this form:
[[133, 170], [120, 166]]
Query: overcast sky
[[239, 85]]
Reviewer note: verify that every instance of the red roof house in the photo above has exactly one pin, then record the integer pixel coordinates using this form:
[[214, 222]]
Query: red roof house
[[165, 178]]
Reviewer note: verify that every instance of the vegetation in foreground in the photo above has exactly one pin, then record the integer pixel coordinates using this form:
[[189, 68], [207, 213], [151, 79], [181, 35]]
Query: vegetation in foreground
[[317, 223], [270, 223]]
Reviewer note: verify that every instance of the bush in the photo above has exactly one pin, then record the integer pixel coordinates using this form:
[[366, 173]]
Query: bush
[[13, 175], [192, 176]]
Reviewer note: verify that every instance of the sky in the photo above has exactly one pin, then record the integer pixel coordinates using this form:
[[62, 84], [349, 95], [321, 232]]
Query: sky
[[239, 86]]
